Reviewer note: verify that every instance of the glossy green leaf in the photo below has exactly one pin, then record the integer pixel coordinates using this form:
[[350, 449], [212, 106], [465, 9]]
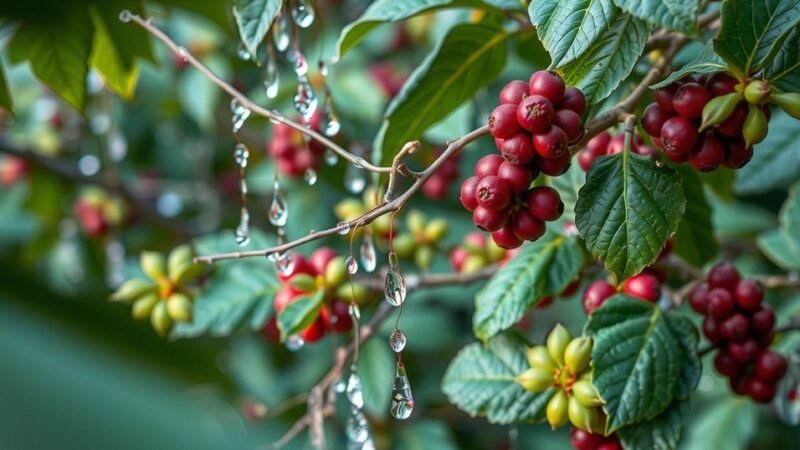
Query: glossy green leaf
[[376, 366], [776, 161], [695, 241], [480, 381], [707, 61], [117, 69], [568, 28], [300, 313], [784, 71], [726, 422], [661, 433], [627, 209], [637, 359], [468, 58], [6, 101], [752, 31], [782, 245], [254, 17], [609, 60], [541, 268], [678, 15], [58, 53]]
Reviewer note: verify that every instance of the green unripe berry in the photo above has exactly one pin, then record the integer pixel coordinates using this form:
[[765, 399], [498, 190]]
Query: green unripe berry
[[719, 109], [557, 342], [181, 267], [416, 222], [404, 245], [558, 410], [584, 417], [535, 380], [757, 92], [423, 257], [348, 209], [335, 272], [789, 101], [154, 266], [359, 293], [539, 358], [435, 230], [586, 393], [473, 263], [303, 282], [160, 319], [143, 306], [755, 126], [578, 354], [179, 307], [132, 289], [382, 225]]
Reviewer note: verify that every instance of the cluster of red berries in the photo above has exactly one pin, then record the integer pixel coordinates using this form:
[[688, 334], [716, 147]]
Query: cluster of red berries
[[294, 155], [327, 270], [674, 122], [606, 144], [644, 286], [740, 326], [436, 186], [584, 440]]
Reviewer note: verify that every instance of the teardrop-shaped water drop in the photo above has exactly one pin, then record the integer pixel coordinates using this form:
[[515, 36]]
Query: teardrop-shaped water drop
[[295, 56], [303, 13], [310, 176], [278, 210], [787, 396], [331, 158], [242, 52], [355, 180], [240, 155], [343, 228], [402, 399], [355, 311], [294, 343], [285, 264], [330, 121], [352, 265], [239, 115], [282, 32], [243, 229], [271, 78], [367, 253], [354, 391], [397, 341], [357, 428], [125, 15], [305, 100], [394, 288]]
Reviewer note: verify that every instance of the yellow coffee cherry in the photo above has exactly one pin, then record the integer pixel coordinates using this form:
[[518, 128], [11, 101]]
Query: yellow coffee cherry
[[586, 393], [578, 354], [557, 342], [132, 289], [535, 380], [160, 319], [143, 306], [539, 358], [558, 410], [179, 307], [154, 266], [583, 417]]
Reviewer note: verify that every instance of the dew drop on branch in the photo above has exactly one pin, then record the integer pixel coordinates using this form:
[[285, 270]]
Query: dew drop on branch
[[239, 115]]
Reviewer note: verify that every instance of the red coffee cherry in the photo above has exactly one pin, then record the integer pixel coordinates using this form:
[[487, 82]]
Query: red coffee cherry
[[505, 238], [503, 121], [319, 260], [697, 298], [314, 332], [554, 167], [616, 145], [517, 177], [488, 165], [732, 126], [457, 258], [493, 193], [720, 303], [748, 295], [513, 92], [283, 297], [544, 203], [489, 220], [735, 327], [739, 384], [737, 153], [337, 317], [583, 440], [690, 99], [711, 331], [770, 366], [595, 148], [677, 158], [646, 150], [664, 96], [468, 190], [721, 84], [551, 143], [744, 351], [547, 84], [760, 391], [679, 135], [611, 443], [726, 365], [535, 113], [653, 119], [574, 100], [526, 227], [724, 276], [570, 122], [596, 294], [644, 286], [518, 149], [763, 320], [708, 154]]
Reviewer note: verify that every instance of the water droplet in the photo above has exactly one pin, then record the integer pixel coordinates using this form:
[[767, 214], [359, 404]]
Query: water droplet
[[394, 289], [359, 163], [310, 176], [89, 165], [355, 179], [125, 15], [323, 68], [242, 52], [367, 253], [352, 265], [243, 186], [354, 311], [343, 228], [239, 115], [240, 155], [294, 343], [787, 397], [331, 158], [282, 34], [243, 230], [295, 56], [339, 387], [303, 13], [397, 341], [183, 54], [271, 78], [285, 264], [354, 392], [278, 210], [330, 121], [402, 399], [305, 100], [357, 428], [116, 146]]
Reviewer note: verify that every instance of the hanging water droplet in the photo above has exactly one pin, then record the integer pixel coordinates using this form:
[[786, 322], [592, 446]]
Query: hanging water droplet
[[125, 15], [305, 100], [339, 387], [369, 444], [272, 256], [397, 341], [355, 179], [331, 158], [310, 176], [303, 13], [239, 115], [295, 56], [282, 32], [294, 343], [240, 155], [343, 228], [323, 68], [367, 253], [355, 311], [354, 391], [352, 265], [357, 427], [787, 397], [243, 186], [359, 163], [394, 288], [242, 52], [271, 78], [278, 210], [285, 264], [402, 400], [330, 121], [243, 230]]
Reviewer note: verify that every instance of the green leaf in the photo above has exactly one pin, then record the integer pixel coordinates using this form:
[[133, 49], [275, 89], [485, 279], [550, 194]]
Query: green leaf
[[58, 53], [569, 30], [660, 433], [426, 434], [707, 61], [784, 72], [198, 95], [254, 17], [300, 313], [627, 209], [376, 364], [776, 161], [752, 31], [541, 268], [678, 15], [568, 185], [692, 368], [107, 61], [468, 58], [238, 294], [695, 241], [609, 60], [720, 182], [739, 218], [480, 381], [782, 246], [725, 423], [637, 359], [6, 101]]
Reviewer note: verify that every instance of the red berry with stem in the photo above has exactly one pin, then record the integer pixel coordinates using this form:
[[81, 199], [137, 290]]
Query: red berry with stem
[[763, 320], [770, 366], [599, 143], [505, 237], [664, 96], [708, 154], [573, 100], [488, 165], [743, 351], [586, 158], [748, 295], [535, 113], [653, 119], [678, 135], [554, 167], [489, 220], [583, 440], [698, 300], [726, 365], [737, 153], [724, 276], [320, 259], [518, 149], [468, 189], [596, 294], [644, 286], [526, 227], [547, 84], [503, 121], [517, 177], [735, 327], [493, 193], [711, 331], [690, 99], [720, 303], [721, 84], [732, 126], [551, 143], [544, 203], [570, 122], [314, 332], [513, 92], [760, 391], [436, 187]]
